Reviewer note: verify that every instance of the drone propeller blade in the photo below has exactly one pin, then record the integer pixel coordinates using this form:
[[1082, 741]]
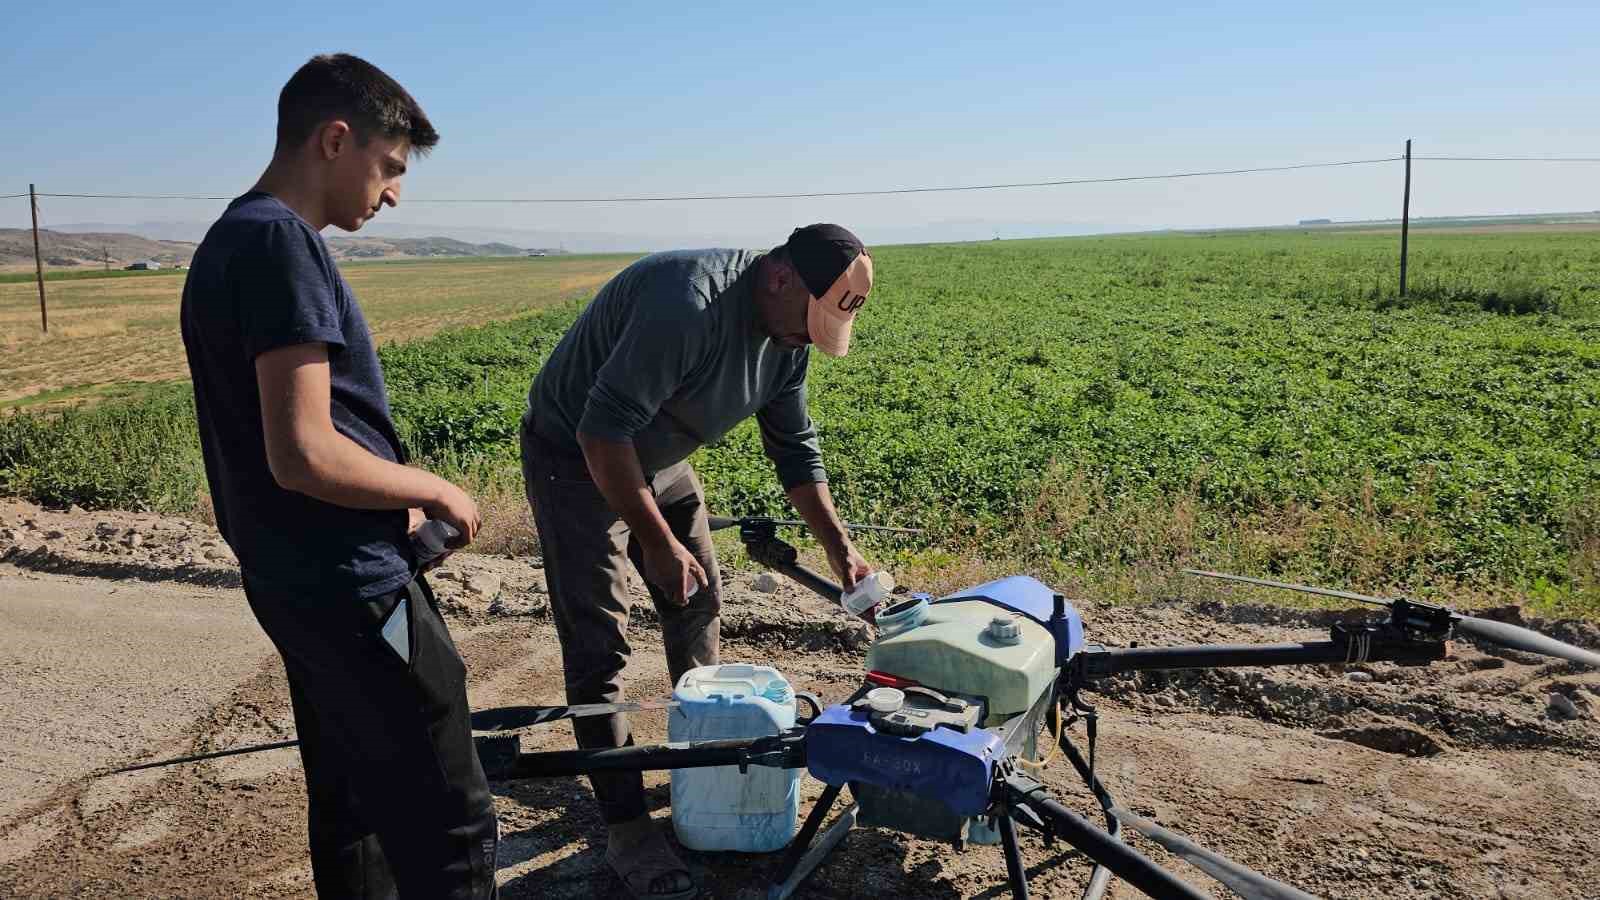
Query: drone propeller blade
[[1302, 588], [1518, 638], [720, 522], [1247, 883]]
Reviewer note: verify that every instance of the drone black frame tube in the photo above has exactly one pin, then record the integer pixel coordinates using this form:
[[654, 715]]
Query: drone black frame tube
[[1125, 862], [1110, 661]]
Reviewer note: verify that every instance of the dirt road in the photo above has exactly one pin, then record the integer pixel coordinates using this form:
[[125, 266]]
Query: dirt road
[[93, 672], [1458, 780]]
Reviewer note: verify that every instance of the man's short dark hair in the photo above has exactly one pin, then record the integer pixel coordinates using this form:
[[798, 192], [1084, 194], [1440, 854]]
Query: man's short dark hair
[[340, 86]]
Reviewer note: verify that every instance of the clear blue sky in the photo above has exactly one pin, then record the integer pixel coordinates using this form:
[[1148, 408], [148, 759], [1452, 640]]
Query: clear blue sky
[[605, 99]]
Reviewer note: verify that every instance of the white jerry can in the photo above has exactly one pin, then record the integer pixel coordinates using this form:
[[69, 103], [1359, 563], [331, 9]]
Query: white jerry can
[[718, 808]]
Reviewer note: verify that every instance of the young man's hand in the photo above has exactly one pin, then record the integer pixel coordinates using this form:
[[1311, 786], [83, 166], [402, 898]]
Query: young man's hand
[[417, 517], [452, 505]]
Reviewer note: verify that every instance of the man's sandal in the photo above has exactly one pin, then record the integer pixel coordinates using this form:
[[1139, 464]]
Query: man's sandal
[[651, 871]]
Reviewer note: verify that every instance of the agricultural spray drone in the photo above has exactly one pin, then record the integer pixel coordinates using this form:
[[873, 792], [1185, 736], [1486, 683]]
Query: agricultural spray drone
[[940, 745], [926, 752]]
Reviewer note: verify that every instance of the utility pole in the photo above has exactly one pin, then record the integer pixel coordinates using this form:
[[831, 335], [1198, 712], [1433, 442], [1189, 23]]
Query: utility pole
[[105, 253], [38, 264], [1405, 220]]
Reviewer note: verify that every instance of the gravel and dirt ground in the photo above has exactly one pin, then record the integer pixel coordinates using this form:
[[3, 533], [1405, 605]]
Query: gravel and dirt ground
[[123, 637]]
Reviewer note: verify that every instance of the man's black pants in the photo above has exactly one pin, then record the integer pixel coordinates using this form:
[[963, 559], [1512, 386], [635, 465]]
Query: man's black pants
[[398, 803]]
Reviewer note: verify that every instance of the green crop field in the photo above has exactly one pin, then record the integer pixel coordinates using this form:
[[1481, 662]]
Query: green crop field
[[1100, 412]]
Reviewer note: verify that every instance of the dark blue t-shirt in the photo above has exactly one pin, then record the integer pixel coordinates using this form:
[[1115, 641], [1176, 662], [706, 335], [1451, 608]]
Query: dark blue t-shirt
[[264, 279]]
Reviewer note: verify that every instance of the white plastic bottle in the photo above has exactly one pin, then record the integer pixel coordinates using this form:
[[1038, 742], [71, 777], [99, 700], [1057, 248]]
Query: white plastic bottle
[[868, 592]]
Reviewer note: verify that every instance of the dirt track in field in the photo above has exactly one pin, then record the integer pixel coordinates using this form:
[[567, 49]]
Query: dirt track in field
[[1457, 780]]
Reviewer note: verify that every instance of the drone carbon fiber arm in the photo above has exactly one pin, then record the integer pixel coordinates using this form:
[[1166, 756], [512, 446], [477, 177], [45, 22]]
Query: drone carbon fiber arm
[[1414, 635], [1093, 663]]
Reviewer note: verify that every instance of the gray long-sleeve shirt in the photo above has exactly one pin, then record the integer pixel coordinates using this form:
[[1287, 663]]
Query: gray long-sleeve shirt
[[671, 356]]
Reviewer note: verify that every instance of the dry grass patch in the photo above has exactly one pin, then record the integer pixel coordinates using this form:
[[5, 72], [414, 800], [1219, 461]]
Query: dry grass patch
[[104, 331]]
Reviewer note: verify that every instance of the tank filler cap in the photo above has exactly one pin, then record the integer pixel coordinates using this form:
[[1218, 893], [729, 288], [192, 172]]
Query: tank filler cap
[[885, 700], [1004, 630]]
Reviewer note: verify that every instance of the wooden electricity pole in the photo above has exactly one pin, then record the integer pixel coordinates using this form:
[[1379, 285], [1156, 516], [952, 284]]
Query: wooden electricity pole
[[1405, 219], [38, 264]]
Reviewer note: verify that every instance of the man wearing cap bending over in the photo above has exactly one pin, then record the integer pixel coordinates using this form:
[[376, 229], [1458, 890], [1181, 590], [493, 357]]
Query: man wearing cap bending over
[[672, 353]]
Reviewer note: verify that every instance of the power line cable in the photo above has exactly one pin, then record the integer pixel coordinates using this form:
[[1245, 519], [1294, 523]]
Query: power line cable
[[814, 194], [1547, 159], [886, 191], [933, 190], [134, 196]]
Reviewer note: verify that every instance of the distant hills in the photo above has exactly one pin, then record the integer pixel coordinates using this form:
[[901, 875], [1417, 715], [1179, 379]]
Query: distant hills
[[1491, 222], [383, 247], [61, 250]]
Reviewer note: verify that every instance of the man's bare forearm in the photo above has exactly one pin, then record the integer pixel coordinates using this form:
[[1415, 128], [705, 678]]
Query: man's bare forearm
[[308, 455], [614, 465], [814, 502], [337, 470]]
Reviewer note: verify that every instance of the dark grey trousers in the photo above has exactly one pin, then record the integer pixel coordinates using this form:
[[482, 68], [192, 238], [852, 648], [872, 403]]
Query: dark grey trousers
[[586, 546]]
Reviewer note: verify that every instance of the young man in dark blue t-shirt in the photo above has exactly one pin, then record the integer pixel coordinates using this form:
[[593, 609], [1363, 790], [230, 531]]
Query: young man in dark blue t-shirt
[[310, 489]]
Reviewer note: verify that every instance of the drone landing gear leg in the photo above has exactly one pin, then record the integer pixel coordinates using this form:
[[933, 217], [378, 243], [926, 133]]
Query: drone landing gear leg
[[1015, 871], [802, 858]]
